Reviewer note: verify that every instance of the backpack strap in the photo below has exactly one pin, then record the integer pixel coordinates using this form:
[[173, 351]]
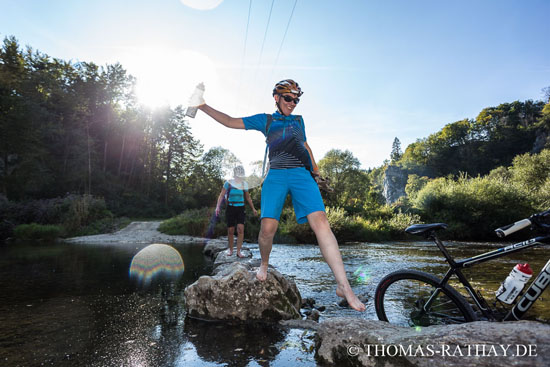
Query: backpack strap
[[227, 192], [267, 127]]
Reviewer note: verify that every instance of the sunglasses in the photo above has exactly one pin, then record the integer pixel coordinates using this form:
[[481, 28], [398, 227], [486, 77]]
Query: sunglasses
[[290, 99]]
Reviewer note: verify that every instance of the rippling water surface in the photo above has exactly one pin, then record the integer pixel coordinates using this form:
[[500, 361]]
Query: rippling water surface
[[76, 305]]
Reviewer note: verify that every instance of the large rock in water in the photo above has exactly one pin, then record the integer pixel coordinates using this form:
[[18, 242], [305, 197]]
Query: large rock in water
[[395, 180], [235, 294], [356, 342]]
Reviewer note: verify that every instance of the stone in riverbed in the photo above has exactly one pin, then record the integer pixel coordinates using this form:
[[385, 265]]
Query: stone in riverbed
[[213, 247], [354, 342], [236, 294], [223, 258]]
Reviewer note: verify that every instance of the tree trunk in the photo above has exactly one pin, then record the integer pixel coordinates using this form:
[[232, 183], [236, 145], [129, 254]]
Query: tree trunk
[[121, 154], [105, 155], [89, 161]]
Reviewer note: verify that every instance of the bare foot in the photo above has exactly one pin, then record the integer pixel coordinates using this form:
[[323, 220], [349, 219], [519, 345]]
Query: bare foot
[[261, 274], [240, 255], [351, 298], [228, 252]]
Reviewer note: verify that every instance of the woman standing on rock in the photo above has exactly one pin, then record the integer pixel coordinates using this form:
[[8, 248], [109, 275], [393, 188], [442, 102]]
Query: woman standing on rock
[[292, 170]]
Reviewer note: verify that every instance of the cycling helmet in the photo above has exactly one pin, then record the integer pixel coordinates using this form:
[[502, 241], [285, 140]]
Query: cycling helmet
[[287, 86]]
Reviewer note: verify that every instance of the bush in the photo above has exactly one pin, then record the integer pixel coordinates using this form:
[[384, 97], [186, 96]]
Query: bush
[[388, 225], [76, 214], [473, 207], [291, 231], [195, 222], [104, 225], [36, 231], [399, 222], [44, 211], [345, 227], [83, 210]]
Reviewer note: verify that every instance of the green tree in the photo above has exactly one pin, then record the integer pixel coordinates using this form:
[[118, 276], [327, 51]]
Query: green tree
[[415, 183], [178, 149], [396, 152], [22, 154], [531, 170], [351, 184]]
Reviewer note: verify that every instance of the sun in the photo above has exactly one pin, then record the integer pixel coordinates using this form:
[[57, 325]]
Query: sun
[[168, 77]]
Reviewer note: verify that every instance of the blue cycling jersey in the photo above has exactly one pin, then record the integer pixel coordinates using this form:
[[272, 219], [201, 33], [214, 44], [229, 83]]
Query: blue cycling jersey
[[285, 139]]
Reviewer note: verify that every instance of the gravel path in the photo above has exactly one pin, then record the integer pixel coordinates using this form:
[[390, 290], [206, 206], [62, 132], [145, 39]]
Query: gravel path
[[135, 232]]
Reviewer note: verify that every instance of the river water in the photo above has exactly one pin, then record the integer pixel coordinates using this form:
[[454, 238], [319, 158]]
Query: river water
[[76, 305]]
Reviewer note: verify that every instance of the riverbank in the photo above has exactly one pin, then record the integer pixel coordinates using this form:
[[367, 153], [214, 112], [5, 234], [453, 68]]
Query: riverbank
[[136, 232]]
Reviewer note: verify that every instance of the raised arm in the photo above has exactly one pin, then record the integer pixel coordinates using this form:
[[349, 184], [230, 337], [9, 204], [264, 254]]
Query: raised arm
[[222, 118]]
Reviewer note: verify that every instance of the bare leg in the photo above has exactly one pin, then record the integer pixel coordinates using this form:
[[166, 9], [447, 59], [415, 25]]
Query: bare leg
[[331, 252], [240, 239], [265, 241], [230, 239]]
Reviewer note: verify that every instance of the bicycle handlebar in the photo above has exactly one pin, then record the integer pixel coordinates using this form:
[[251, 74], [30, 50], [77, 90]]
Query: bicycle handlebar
[[533, 220], [511, 228]]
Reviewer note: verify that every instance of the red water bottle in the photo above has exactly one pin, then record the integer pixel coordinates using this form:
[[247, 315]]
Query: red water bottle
[[514, 283]]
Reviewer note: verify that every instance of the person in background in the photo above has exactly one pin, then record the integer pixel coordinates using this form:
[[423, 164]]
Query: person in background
[[235, 192]]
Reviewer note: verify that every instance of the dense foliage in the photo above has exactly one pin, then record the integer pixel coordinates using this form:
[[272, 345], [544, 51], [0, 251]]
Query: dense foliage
[[77, 152], [76, 128], [477, 146]]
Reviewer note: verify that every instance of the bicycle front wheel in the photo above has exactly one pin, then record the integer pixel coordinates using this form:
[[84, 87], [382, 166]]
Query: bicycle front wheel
[[413, 298]]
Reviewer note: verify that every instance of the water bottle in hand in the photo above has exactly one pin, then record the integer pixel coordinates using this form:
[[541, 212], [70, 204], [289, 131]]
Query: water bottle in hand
[[195, 101]]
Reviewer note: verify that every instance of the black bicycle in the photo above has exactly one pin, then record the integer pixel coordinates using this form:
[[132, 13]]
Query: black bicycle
[[415, 298]]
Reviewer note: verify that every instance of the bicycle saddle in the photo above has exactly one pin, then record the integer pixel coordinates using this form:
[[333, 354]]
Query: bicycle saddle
[[419, 229]]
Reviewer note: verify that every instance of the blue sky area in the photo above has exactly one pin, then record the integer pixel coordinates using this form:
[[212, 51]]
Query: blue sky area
[[371, 70]]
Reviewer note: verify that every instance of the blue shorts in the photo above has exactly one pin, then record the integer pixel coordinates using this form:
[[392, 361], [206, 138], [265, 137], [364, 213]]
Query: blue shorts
[[306, 197]]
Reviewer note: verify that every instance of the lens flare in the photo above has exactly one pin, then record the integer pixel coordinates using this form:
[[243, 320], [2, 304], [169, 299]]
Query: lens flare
[[362, 275], [156, 261], [238, 173]]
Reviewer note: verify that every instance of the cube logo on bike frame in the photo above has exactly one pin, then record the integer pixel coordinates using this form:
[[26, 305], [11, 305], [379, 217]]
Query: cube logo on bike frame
[[531, 295]]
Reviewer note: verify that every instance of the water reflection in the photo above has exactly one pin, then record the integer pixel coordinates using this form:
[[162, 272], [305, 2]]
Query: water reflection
[[73, 305], [156, 261], [234, 344]]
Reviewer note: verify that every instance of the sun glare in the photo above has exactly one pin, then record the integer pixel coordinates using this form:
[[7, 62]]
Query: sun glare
[[201, 4], [167, 77]]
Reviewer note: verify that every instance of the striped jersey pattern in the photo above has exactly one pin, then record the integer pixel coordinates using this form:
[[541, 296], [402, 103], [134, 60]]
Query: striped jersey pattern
[[286, 143]]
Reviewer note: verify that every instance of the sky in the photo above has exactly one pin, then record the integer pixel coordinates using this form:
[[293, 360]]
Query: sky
[[371, 70]]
